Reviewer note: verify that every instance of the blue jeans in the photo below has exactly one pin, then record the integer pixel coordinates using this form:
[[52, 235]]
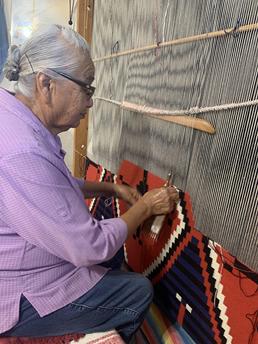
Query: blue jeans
[[118, 301]]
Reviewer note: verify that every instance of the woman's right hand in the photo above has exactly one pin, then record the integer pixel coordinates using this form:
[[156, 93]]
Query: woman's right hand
[[161, 200], [155, 202]]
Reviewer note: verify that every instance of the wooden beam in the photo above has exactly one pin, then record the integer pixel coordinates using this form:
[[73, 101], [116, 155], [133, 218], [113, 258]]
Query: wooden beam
[[84, 27]]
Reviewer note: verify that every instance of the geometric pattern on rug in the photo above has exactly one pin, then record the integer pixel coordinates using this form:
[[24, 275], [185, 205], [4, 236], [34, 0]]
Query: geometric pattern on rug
[[198, 285], [189, 272], [101, 207]]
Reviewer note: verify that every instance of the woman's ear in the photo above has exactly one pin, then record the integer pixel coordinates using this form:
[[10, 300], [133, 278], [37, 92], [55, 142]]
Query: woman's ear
[[44, 86]]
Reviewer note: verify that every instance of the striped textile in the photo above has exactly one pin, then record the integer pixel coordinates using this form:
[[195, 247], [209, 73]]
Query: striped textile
[[157, 329], [111, 337]]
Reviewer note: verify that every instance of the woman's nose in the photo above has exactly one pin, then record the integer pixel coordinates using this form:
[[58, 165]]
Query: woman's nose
[[89, 103]]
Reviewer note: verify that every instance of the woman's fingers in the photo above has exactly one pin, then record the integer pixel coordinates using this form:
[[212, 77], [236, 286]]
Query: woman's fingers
[[161, 200], [127, 193]]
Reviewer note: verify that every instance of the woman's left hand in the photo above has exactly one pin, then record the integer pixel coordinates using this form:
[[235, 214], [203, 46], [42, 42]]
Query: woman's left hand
[[127, 193]]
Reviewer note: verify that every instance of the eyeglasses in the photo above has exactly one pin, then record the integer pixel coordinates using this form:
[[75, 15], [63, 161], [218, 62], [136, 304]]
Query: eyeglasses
[[88, 88]]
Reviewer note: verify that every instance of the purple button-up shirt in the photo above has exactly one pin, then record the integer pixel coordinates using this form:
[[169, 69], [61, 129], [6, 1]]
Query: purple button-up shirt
[[50, 246]]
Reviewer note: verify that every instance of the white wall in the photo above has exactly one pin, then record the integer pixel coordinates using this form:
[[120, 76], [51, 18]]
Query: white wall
[[24, 16]]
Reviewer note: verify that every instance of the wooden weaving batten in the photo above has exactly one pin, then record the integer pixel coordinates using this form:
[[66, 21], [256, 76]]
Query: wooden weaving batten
[[180, 119], [184, 120], [159, 219], [190, 122]]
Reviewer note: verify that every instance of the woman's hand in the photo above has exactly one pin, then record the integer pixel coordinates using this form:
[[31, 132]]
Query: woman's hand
[[161, 200], [127, 193], [155, 202]]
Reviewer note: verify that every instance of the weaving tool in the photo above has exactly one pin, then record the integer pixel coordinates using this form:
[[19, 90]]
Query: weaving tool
[[170, 116], [159, 219]]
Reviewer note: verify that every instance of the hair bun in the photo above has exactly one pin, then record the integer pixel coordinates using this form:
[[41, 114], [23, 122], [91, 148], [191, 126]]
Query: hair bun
[[12, 66]]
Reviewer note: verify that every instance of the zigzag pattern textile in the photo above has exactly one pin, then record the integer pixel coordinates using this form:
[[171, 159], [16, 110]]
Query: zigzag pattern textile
[[198, 285]]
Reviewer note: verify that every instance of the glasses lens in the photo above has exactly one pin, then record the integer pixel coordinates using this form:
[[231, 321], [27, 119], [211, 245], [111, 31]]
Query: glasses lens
[[90, 90]]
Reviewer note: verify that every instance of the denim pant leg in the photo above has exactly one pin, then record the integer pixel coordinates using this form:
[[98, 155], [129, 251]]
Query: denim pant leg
[[119, 301]]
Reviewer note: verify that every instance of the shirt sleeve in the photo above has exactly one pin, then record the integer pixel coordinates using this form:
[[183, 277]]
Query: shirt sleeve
[[80, 182], [42, 203]]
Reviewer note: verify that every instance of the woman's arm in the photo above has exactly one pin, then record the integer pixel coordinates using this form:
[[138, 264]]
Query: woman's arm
[[154, 202], [95, 189]]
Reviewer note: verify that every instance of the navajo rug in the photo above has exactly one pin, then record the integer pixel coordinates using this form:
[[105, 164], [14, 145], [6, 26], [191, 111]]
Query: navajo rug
[[198, 285]]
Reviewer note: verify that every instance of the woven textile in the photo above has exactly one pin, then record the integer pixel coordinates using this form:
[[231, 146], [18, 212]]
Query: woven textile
[[111, 337], [197, 283], [157, 329], [201, 290], [66, 339]]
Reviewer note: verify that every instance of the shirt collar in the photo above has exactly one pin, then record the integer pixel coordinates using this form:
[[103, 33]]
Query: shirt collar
[[14, 105]]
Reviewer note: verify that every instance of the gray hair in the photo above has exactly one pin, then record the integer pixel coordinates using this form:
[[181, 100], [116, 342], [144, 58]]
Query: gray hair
[[55, 47]]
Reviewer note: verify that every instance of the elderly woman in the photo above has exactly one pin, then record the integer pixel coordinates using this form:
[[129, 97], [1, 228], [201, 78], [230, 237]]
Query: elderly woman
[[51, 249]]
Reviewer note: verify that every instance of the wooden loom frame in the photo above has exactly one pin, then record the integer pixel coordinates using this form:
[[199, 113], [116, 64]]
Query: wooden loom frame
[[84, 27]]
